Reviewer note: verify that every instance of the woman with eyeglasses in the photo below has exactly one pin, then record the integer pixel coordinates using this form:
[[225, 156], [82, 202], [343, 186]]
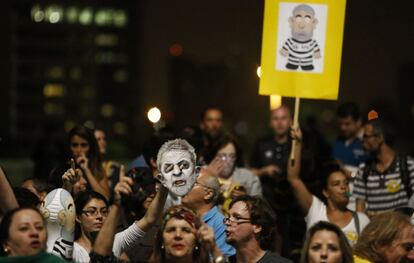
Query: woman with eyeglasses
[[92, 211], [388, 238], [23, 237], [227, 166], [182, 238]]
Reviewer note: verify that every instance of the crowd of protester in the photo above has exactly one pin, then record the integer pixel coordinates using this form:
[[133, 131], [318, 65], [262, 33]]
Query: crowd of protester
[[346, 202]]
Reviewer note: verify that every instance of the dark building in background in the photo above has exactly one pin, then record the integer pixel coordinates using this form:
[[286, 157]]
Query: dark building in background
[[68, 62]]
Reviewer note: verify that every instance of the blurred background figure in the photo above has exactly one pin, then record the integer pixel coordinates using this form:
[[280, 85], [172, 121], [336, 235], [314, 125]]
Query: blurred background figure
[[211, 128], [347, 148], [84, 149], [110, 167], [234, 180]]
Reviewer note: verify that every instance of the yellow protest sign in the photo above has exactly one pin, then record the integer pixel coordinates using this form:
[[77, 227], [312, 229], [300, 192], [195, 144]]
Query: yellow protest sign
[[301, 49]]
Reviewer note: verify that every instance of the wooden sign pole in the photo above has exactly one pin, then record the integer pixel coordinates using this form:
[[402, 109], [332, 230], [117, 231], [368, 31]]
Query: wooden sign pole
[[295, 126]]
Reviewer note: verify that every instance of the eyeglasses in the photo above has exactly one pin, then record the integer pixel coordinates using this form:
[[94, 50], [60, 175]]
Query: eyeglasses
[[237, 220], [94, 212], [225, 157], [203, 185]]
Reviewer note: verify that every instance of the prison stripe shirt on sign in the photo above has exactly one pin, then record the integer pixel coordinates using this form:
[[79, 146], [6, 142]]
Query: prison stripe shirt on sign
[[301, 52]]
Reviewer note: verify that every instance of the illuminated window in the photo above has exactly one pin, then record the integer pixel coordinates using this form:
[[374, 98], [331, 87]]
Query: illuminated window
[[86, 16], [54, 14], [103, 17], [55, 72], [72, 14], [107, 110], [54, 90], [120, 18], [106, 40], [38, 15], [53, 108], [121, 76]]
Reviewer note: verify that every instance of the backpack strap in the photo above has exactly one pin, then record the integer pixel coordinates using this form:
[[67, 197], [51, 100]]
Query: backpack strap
[[405, 174], [365, 173], [356, 222]]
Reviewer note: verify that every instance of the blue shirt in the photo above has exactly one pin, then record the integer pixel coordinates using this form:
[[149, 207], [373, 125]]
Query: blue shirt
[[349, 154], [214, 219]]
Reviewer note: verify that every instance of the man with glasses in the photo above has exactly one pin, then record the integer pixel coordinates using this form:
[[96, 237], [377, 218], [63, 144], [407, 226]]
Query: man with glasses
[[385, 182], [202, 199], [250, 227]]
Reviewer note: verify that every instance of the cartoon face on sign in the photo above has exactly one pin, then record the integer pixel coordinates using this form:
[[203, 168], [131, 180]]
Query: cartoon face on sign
[[301, 37], [176, 163], [58, 209], [301, 48]]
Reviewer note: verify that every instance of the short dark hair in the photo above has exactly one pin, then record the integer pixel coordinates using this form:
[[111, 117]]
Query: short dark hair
[[349, 109], [261, 214], [154, 143], [329, 167], [204, 112], [381, 127], [343, 242], [39, 184], [25, 197]]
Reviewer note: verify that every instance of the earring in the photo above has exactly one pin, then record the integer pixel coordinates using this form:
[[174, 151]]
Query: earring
[[162, 246], [6, 250], [196, 248]]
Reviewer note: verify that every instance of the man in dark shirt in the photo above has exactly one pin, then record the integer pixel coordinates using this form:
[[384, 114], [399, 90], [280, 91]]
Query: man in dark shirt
[[250, 227]]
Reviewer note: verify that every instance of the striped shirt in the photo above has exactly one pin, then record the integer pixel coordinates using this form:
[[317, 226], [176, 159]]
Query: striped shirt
[[301, 52], [383, 191]]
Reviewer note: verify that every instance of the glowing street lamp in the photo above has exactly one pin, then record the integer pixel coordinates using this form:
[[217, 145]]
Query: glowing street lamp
[[154, 115]]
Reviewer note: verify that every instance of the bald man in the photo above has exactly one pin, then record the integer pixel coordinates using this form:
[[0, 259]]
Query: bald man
[[202, 199]]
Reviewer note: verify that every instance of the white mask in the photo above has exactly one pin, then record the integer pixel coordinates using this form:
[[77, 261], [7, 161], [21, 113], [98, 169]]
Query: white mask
[[177, 168], [58, 210]]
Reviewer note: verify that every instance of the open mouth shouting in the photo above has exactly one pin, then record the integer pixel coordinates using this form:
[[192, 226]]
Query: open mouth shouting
[[179, 183]]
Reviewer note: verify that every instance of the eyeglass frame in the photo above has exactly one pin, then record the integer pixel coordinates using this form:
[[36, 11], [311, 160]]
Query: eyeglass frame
[[237, 220], [96, 212]]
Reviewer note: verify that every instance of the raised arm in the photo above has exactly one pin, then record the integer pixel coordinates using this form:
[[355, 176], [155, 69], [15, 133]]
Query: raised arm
[[7, 199], [301, 192], [101, 186], [105, 239], [154, 210]]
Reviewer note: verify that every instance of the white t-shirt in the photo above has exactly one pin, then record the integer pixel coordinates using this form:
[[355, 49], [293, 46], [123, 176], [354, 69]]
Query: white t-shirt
[[80, 255], [317, 212], [122, 242]]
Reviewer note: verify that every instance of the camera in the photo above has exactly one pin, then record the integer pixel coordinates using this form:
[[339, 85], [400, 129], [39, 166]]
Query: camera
[[142, 188]]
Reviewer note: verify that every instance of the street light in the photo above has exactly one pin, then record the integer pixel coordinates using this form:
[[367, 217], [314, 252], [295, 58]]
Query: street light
[[154, 115]]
